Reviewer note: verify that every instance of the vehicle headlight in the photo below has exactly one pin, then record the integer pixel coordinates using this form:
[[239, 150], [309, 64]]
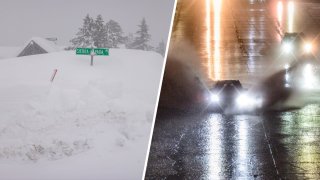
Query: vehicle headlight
[[244, 101], [286, 66], [307, 47], [215, 98], [287, 47]]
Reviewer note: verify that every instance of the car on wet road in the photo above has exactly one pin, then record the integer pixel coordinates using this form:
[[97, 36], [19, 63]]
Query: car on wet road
[[229, 96], [244, 40], [295, 43]]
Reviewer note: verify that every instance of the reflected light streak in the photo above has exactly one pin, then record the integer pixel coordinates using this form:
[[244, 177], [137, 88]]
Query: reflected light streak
[[290, 16], [251, 60], [208, 37], [215, 166], [280, 12], [304, 146], [309, 79], [309, 150], [243, 146], [217, 34], [280, 17]]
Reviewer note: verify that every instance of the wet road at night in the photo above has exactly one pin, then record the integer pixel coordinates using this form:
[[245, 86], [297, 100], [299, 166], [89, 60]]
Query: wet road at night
[[236, 39], [215, 146]]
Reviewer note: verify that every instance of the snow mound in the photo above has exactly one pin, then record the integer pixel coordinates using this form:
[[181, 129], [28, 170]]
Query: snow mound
[[90, 117]]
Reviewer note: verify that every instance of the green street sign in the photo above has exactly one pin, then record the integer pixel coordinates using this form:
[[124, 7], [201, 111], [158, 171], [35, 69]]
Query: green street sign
[[83, 51], [101, 51], [97, 51]]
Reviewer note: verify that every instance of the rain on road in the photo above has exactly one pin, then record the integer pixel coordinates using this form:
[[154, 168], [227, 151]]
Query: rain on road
[[234, 39]]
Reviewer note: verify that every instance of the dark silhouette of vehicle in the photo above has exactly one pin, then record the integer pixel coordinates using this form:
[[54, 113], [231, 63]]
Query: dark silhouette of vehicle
[[229, 96], [295, 44]]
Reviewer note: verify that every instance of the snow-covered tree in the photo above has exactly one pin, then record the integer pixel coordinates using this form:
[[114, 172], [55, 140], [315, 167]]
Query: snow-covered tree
[[161, 48], [114, 34], [142, 37], [99, 34], [128, 40], [84, 38]]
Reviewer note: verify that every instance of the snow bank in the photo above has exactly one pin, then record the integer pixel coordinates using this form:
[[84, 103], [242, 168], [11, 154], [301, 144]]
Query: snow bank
[[91, 122]]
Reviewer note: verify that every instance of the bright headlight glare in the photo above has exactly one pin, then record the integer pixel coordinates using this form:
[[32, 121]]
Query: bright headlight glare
[[215, 98], [287, 77], [307, 71], [307, 47], [287, 47], [286, 66], [245, 101], [241, 100], [309, 79]]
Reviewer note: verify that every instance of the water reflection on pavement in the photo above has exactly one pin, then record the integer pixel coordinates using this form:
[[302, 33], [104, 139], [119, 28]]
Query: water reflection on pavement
[[216, 146], [233, 39]]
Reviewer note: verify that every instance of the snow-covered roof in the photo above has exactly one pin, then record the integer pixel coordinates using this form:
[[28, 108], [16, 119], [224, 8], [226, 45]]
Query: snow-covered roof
[[47, 45]]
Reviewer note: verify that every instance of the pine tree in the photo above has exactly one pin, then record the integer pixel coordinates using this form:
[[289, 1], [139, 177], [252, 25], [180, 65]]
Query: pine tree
[[114, 34], [99, 34], [161, 48], [128, 40], [84, 36], [143, 37]]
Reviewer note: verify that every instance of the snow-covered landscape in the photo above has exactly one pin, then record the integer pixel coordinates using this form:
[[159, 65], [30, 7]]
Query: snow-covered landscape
[[90, 122], [60, 117], [8, 52]]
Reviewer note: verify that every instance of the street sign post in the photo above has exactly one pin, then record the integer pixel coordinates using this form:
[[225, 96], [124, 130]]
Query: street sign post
[[101, 51], [83, 51], [92, 52]]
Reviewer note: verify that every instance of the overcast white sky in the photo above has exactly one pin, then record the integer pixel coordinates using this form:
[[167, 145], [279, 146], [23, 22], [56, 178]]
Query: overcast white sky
[[22, 19]]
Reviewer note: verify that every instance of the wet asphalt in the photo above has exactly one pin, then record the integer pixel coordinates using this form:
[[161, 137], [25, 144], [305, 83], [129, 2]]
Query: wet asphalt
[[238, 44], [278, 145]]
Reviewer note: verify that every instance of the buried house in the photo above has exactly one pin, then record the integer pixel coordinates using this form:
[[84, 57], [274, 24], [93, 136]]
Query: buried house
[[37, 45]]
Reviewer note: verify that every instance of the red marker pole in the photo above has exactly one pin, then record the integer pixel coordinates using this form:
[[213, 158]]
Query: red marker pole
[[53, 75]]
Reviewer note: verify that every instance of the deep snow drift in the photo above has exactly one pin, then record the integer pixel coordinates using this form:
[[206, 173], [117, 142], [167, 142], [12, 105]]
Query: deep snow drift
[[89, 123]]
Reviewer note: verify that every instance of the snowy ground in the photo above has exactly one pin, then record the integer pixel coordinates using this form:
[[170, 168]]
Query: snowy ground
[[89, 123]]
